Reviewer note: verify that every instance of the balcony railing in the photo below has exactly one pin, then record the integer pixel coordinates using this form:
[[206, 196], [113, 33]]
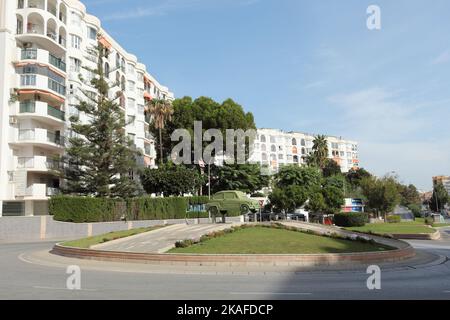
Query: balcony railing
[[28, 80], [57, 87], [56, 113], [53, 191], [148, 135], [29, 54], [54, 61], [27, 107], [25, 163], [55, 138]]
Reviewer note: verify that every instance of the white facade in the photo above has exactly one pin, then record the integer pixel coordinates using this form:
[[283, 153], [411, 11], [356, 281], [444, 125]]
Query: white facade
[[43, 46], [276, 148]]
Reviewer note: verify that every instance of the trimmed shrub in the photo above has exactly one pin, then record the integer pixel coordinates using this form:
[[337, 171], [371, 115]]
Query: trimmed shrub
[[85, 209], [351, 219], [394, 219], [429, 221]]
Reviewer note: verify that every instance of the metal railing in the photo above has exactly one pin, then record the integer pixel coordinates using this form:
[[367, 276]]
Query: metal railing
[[29, 54], [54, 61], [57, 87], [55, 138], [56, 113], [27, 107]]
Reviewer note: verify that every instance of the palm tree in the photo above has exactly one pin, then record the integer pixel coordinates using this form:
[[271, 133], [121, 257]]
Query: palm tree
[[161, 112], [320, 154]]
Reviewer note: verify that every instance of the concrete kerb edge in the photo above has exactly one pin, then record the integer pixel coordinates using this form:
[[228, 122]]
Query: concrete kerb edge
[[404, 251]]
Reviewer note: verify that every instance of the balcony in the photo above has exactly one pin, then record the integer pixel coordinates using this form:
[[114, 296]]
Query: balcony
[[45, 112], [41, 137], [148, 135], [56, 62], [37, 163], [36, 81], [42, 56], [40, 191]]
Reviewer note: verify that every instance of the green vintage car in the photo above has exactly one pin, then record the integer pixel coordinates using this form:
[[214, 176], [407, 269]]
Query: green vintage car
[[231, 202]]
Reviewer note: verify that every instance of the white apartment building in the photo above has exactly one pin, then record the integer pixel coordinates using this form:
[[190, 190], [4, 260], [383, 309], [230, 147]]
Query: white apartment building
[[276, 148], [43, 46]]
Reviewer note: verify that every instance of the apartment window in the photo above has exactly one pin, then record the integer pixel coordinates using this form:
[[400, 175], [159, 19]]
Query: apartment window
[[263, 139], [10, 176], [92, 33], [141, 109], [342, 154], [140, 77], [140, 92], [280, 157], [106, 70], [28, 80], [131, 86], [130, 69], [334, 146], [75, 65], [75, 19], [75, 41], [272, 139], [131, 103], [20, 4]]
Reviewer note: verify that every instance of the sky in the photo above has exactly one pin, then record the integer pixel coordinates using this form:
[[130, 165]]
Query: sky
[[308, 65]]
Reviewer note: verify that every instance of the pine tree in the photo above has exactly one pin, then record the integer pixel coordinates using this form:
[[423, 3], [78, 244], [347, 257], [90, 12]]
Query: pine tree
[[100, 157]]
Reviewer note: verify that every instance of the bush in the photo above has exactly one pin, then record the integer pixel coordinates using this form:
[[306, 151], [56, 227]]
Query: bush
[[429, 221], [394, 219], [351, 219], [85, 209]]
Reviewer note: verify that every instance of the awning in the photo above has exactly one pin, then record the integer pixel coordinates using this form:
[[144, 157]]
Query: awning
[[43, 92], [105, 43], [147, 96]]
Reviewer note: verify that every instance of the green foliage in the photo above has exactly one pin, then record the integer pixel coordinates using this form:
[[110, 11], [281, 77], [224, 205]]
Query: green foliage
[[416, 209], [213, 115], [331, 168], [351, 219], [172, 180], [246, 178], [288, 199], [355, 176], [334, 199], [382, 194], [394, 219], [316, 203], [409, 195], [440, 198], [161, 112], [86, 209], [319, 156], [100, 157], [307, 177]]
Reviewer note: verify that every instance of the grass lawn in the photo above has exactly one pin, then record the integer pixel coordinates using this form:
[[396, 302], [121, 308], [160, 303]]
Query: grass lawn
[[275, 241], [435, 225], [88, 242], [394, 228]]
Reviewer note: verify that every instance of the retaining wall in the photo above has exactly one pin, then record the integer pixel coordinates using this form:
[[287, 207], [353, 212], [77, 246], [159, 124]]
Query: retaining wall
[[22, 229]]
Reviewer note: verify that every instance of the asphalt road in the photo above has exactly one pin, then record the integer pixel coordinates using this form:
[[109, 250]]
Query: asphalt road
[[24, 278]]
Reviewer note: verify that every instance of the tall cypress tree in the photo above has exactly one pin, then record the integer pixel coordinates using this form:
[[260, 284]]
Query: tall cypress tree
[[100, 158]]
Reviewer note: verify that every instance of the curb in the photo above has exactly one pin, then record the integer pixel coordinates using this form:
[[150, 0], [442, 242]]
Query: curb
[[419, 236], [403, 251]]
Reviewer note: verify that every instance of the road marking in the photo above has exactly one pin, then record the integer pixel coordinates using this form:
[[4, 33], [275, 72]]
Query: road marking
[[273, 293]]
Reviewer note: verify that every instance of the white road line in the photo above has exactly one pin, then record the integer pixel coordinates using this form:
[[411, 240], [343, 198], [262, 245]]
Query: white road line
[[272, 293]]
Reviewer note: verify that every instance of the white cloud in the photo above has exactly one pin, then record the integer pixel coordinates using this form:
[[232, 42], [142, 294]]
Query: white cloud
[[444, 57], [393, 135]]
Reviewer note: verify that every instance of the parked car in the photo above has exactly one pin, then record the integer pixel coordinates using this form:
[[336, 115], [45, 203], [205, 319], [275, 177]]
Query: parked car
[[266, 217], [296, 217], [231, 201]]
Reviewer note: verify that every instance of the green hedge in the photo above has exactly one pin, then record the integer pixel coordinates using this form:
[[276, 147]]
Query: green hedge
[[351, 219], [84, 209], [394, 219]]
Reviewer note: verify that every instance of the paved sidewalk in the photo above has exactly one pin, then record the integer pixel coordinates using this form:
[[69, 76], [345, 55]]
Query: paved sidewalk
[[161, 240]]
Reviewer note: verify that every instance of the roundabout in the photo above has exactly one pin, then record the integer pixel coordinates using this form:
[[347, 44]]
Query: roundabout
[[339, 248]]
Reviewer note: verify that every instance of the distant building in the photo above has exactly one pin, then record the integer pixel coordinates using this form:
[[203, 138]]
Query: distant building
[[353, 205], [276, 148], [445, 180]]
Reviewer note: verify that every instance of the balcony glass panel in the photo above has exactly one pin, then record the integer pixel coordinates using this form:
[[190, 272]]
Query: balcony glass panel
[[27, 107], [56, 113], [54, 61], [29, 54]]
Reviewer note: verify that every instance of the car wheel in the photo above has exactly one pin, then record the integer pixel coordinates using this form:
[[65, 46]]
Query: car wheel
[[245, 210]]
